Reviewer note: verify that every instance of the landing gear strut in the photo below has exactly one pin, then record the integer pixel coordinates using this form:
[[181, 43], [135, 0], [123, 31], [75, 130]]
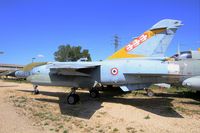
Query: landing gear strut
[[150, 93], [94, 93], [36, 91], [73, 98]]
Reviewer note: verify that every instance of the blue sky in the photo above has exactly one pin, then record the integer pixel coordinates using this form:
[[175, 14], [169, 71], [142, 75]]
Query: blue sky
[[37, 27]]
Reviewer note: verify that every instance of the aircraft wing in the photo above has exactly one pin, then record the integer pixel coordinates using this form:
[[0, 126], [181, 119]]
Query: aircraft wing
[[72, 69], [146, 75], [7, 73], [71, 66], [141, 78], [144, 80]]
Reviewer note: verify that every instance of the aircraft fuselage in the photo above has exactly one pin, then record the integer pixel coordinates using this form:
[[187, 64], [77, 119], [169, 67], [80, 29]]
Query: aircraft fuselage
[[115, 72]]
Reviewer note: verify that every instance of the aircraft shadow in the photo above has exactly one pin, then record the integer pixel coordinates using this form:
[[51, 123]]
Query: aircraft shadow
[[186, 94], [88, 106]]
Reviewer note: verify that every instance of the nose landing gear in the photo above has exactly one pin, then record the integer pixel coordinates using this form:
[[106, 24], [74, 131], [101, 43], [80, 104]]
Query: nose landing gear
[[35, 91]]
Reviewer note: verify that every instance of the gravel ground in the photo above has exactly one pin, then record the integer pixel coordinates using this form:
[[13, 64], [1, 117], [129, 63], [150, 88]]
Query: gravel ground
[[114, 111]]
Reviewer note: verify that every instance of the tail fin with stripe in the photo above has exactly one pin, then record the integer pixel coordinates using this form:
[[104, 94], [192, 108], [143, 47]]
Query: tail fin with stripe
[[153, 42]]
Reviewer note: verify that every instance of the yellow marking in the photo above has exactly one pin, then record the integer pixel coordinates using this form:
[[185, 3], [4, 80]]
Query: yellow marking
[[199, 49], [156, 31], [122, 53]]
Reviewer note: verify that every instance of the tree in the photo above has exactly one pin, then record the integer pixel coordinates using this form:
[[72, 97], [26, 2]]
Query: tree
[[71, 53]]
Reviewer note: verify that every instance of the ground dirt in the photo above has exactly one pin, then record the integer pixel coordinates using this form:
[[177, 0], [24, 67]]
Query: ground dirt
[[113, 112]]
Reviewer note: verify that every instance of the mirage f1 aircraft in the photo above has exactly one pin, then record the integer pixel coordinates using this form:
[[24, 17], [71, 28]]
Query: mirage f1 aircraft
[[136, 66]]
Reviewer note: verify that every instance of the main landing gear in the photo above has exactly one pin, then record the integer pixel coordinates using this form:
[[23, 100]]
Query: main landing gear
[[36, 91], [73, 98], [150, 93]]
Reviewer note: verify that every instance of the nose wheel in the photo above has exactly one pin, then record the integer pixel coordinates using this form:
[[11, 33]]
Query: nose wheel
[[73, 98], [35, 91]]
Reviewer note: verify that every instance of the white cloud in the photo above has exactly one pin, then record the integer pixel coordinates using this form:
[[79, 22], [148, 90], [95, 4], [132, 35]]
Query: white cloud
[[40, 56]]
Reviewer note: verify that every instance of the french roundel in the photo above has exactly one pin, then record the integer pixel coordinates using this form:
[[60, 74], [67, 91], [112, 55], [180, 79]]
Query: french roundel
[[114, 71]]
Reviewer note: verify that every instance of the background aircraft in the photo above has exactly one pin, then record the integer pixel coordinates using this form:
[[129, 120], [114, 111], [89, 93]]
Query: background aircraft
[[21, 73], [189, 65], [136, 66]]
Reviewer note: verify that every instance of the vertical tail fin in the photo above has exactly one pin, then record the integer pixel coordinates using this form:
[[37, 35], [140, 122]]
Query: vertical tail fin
[[153, 42]]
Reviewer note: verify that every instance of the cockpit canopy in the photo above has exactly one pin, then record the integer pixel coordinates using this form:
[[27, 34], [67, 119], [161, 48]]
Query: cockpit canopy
[[186, 55], [183, 55]]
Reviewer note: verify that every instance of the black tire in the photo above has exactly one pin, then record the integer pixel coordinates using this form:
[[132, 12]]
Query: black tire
[[77, 98], [109, 86], [36, 92], [71, 99], [198, 92], [94, 93]]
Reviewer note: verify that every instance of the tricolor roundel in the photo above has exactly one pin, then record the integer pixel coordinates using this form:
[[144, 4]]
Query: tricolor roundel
[[114, 71]]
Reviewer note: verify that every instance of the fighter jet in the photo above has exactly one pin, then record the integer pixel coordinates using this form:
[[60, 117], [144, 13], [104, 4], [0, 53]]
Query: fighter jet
[[136, 66]]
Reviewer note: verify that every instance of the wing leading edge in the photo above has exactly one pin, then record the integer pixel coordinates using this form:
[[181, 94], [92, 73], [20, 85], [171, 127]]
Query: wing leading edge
[[72, 69]]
